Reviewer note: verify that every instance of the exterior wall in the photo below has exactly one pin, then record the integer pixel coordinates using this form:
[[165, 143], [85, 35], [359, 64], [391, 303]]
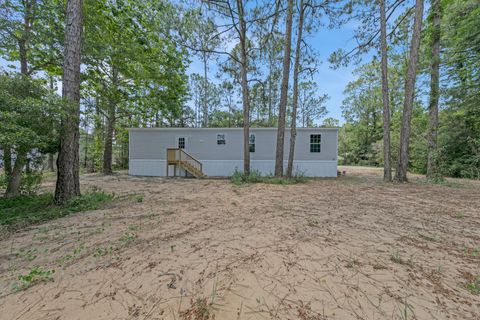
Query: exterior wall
[[148, 150]]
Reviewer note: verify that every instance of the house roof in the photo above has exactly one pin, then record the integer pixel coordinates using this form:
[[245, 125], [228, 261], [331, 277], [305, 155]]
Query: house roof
[[227, 129]]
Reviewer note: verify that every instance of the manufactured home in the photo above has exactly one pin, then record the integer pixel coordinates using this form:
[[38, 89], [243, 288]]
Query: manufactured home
[[218, 152]]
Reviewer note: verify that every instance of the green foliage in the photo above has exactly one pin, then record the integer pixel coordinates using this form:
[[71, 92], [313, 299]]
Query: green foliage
[[36, 275], [103, 251], [72, 256], [239, 178], [31, 181], [29, 184], [134, 75], [396, 257], [474, 286], [27, 210], [28, 113], [128, 237], [28, 254], [42, 38]]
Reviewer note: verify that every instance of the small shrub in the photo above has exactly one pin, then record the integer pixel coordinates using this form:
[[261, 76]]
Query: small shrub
[[29, 255], [128, 237], [474, 286], [200, 310], [460, 215], [353, 263], [36, 275], [237, 177], [31, 182], [396, 257], [93, 199], [72, 256], [255, 176], [100, 252], [3, 181]]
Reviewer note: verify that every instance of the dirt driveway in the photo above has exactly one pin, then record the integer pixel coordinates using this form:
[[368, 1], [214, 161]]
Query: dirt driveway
[[347, 248]]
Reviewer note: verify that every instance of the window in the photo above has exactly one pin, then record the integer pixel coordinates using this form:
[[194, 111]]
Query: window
[[220, 138], [251, 143], [181, 143], [315, 142]]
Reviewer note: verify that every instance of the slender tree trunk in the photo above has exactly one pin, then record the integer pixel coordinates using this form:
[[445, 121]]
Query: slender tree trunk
[[68, 182], [296, 69], [14, 175], [402, 164], [283, 95], [108, 144], [50, 166], [344, 142], [7, 159], [22, 49], [110, 127], [205, 91], [244, 82], [85, 159], [387, 153], [432, 163], [13, 186]]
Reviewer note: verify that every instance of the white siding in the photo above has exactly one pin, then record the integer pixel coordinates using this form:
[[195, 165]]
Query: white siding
[[148, 150]]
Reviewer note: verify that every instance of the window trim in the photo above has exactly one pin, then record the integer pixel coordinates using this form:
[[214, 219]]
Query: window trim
[[184, 142], [224, 139], [251, 146], [316, 144]]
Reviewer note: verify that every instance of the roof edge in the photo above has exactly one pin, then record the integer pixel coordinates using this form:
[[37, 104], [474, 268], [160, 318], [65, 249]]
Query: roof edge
[[225, 128]]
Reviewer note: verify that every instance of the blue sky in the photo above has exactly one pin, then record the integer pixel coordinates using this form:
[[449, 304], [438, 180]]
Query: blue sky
[[332, 82]]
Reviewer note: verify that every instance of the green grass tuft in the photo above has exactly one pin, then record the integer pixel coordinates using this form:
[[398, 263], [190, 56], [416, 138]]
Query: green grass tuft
[[33, 209], [36, 275], [474, 286], [239, 178]]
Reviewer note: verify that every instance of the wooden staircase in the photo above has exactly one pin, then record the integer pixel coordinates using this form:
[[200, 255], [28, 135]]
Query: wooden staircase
[[182, 159]]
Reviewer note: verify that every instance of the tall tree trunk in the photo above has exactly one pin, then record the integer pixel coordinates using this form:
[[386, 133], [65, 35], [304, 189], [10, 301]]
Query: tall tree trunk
[[68, 182], [432, 163], [110, 127], [402, 164], [85, 159], [244, 82], [205, 91], [7, 159], [283, 95], [13, 186], [296, 69], [22, 50], [108, 144], [270, 92], [14, 175], [50, 166], [25, 37], [387, 153], [344, 142]]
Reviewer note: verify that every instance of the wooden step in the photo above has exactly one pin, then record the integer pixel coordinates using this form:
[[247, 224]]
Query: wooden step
[[191, 169], [182, 158]]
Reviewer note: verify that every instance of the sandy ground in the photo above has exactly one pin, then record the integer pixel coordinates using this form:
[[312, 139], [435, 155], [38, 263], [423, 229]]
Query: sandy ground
[[346, 248]]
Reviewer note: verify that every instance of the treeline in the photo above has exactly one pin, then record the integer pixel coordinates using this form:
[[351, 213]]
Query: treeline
[[123, 63], [445, 115]]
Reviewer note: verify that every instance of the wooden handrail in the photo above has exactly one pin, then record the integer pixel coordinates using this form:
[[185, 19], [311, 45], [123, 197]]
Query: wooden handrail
[[178, 156]]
